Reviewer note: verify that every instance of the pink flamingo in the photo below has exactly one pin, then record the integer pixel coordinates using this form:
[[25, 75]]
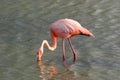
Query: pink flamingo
[[65, 29]]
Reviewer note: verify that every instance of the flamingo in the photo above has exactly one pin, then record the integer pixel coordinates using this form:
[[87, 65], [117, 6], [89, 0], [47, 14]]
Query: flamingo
[[64, 29]]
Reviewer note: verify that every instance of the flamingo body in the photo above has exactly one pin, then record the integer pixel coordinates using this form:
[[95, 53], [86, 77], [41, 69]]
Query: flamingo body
[[64, 29]]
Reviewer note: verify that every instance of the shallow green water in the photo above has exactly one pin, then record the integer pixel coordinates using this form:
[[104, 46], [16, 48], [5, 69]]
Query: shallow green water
[[25, 23]]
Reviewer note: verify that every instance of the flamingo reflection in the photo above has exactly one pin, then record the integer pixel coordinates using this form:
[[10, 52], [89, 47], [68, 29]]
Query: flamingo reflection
[[52, 72], [47, 72]]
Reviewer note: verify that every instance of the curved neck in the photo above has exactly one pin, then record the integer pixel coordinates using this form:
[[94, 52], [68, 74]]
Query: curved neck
[[45, 42]]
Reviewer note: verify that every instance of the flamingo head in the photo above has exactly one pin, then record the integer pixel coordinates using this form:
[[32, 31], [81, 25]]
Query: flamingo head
[[39, 55]]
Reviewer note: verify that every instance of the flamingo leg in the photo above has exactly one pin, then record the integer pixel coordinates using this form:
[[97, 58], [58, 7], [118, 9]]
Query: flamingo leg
[[73, 51], [63, 50]]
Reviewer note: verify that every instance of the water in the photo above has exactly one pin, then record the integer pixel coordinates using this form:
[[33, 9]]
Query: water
[[25, 23]]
